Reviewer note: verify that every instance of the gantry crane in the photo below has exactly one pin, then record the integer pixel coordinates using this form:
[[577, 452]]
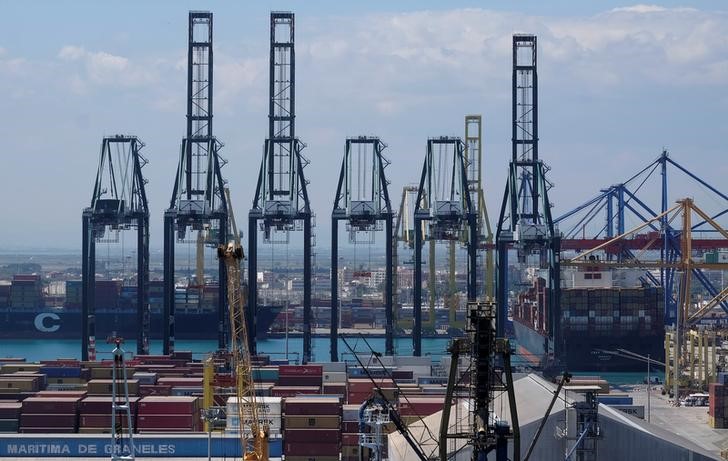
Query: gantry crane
[[198, 201], [362, 201], [403, 232], [254, 440], [119, 202], [443, 204], [281, 203]]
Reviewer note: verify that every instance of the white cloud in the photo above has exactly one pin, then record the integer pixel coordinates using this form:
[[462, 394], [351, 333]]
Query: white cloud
[[71, 53], [106, 69]]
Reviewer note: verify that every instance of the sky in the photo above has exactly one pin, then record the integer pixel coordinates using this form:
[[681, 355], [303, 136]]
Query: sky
[[618, 82]]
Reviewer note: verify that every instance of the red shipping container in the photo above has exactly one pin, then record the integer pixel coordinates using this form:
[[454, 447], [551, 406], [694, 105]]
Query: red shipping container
[[154, 389], [335, 389], [300, 370], [50, 420], [183, 405], [58, 405], [351, 440], [311, 449], [292, 391], [47, 430], [311, 435], [10, 410], [312, 406], [169, 421], [102, 405], [102, 420], [175, 381], [56, 394], [350, 426], [357, 397]]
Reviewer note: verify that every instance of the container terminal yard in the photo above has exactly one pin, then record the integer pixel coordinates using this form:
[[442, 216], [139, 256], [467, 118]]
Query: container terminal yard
[[541, 313]]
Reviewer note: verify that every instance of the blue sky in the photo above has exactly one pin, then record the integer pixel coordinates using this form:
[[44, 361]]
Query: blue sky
[[618, 82]]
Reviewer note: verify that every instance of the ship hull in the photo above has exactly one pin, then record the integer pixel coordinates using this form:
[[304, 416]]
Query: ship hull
[[62, 323], [581, 352]]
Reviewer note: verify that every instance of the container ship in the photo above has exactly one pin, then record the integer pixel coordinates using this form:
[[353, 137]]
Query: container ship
[[595, 316], [28, 313]]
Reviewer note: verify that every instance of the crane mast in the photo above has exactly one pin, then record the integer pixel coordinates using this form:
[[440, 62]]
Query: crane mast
[[254, 444]]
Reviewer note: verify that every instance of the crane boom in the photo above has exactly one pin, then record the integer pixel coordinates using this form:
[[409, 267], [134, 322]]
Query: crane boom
[[254, 443]]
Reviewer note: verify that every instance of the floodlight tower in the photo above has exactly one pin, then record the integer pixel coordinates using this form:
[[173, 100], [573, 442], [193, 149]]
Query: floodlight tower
[[443, 201], [198, 199], [525, 222], [281, 199], [362, 201], [119, 202]]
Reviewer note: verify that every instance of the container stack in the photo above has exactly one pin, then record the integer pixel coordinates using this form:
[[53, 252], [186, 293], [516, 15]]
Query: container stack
[[95, 414], [169, 414], [350, 433], [26, 291], [334, 378], [104, 386], [362, 388], [414, 408], [718, 402], [9, 416], [312, 428], [269, 414], [63, 374], [49, 415]]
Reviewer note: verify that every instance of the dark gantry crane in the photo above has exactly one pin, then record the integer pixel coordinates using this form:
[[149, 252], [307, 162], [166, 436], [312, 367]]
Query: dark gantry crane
[[281, 200], [119, 202], [198, 199], [525, 222], [443, 202], [362, 201]]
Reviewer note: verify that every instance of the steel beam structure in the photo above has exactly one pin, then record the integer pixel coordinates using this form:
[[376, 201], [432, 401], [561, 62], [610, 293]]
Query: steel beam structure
[[525, 223], [616, 202], [281, 203], [119, 202], [362, 201], [198, 198], [474, 162], [443, 202]]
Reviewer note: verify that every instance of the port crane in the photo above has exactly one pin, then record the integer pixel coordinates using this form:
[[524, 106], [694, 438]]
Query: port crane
[[119, 202], [443, 205], [198, 202], [281, 203], [254, 443], [362, 202]]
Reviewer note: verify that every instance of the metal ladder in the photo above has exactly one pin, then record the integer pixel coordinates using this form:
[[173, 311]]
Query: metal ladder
[[120, 451]]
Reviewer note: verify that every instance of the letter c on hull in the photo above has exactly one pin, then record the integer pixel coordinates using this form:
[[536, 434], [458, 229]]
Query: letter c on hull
[[47, 322]]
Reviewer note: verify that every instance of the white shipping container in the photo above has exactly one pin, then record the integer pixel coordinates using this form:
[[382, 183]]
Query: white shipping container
[[335, 377], [266, 405], [274, 423]]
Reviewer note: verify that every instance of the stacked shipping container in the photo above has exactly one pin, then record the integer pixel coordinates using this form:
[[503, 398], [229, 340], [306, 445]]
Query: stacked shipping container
[[312, 428], [718, 402]]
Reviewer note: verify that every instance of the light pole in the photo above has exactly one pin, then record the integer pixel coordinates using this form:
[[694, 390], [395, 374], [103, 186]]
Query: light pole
[[634, 356]]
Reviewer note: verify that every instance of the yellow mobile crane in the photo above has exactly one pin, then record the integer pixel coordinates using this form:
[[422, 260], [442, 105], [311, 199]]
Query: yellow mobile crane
[[254, 441]]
